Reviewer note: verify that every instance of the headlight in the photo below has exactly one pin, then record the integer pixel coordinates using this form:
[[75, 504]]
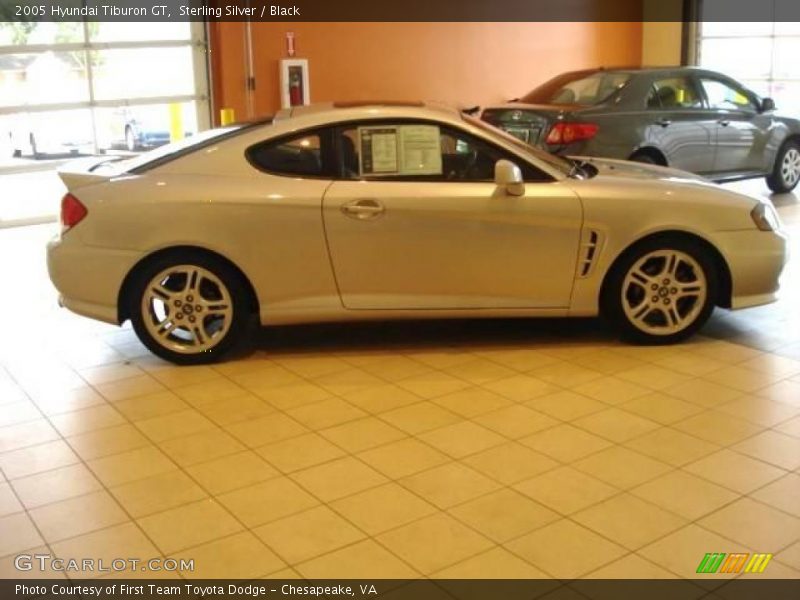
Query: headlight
[[765, 217]]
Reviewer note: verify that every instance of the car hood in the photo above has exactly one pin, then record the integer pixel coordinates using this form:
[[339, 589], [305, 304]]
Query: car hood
[[607, 167]]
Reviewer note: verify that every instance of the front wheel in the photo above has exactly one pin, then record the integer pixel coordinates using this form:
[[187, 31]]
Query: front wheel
[[661, 292], [786, 172], [188, 309]]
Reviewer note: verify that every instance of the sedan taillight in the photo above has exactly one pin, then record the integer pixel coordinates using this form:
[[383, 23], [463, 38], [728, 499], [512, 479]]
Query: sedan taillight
[[72, 212], [566, 133]]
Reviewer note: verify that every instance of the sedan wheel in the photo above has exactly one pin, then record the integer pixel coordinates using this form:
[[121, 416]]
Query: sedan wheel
[[663, 292], [189, 312], [786, 173]]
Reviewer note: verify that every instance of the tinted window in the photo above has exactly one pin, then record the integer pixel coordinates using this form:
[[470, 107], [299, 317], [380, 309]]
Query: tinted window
[[673, 93], [462, 157], [723, 96], [298, 156], [577, 88]]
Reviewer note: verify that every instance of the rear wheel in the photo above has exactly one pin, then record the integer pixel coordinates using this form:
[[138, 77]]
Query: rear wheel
[[189, 309], [786, 172], [662, 291], [645, 157]]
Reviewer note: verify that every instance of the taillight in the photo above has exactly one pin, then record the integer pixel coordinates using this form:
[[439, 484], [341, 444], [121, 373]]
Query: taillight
[[566, 133], [72, 212]]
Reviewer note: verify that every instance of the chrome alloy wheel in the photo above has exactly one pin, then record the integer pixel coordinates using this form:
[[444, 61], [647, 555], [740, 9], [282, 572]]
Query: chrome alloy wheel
[[664, 292], [790, 167], [187, 309]]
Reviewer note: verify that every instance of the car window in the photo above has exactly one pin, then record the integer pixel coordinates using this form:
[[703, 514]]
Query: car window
[[673, 93], [421, 152], [298, 156], [578, 88], [720, 95]]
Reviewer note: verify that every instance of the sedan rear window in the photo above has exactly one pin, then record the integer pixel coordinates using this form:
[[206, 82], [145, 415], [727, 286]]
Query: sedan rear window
[[578, 88]]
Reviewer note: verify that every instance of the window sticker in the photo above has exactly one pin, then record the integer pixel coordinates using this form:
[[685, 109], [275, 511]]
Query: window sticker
[[400, 150]]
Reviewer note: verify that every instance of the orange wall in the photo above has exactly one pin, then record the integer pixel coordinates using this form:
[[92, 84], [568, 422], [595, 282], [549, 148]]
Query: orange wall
[[462, 63]]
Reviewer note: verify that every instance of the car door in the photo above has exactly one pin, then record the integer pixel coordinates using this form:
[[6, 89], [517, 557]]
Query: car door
[[679, 124], [417, 222], [740, 139]]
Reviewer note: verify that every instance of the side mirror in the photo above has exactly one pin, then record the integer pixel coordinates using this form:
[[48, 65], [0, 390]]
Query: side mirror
[[767, 104], [508, 176]]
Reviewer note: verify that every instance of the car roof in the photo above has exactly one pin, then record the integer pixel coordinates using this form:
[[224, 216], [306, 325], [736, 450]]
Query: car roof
[[337, 111]]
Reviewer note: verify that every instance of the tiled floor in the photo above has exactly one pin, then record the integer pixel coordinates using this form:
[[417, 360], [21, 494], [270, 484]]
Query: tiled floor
[[482, 449]]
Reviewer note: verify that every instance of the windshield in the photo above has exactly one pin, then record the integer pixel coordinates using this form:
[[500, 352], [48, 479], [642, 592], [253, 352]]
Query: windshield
[[580, 87], [560, 164]]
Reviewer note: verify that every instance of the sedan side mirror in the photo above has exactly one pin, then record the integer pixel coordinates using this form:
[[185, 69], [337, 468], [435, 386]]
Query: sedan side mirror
[[767, 104], [508, 176]]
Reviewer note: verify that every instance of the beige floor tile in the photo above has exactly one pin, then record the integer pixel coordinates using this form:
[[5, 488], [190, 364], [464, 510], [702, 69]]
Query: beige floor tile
[[773, 365], [272, 428], [380, 398], [434, 543], [17, 533], [75, 516], [174, 376], [308, 534], [520, 388], [238, 556], [516, 421], [517, 358], [735, 471], [105, 442], [29, 433], [382, 508], [740, 378], [791, 555], [772, 447], [433, 384], [109, 373], [786, 392], [471, 402], [338, 478], [443, 358], [503, 515], [158, 493], [629, 521], [8, 569], [125, 541], [754, 524], [200, 447], [395, 368], [621, 467], [207, 393], [565, 550], [566, 490], [449, 484], [62, 401], [55, 485], [671, 446], [689, 363], [461, 439], [174, 425], [611, 390], [717, 427], [630, 566], [299, 452], [267, 501], [685, 495], [480, 371], [343, 383], [326, 413], [362, 434], [312, 366], [760, 411], [510, 463], [783, 493], [131, 466], [364, 559], [615, 424], [150, 406], [231, 472], [496, 563], [661, 408], [417, 418], [9, 503], [229, 411], [790, 427], [189, 525], [565, 374], [35, 459], [701, 392], [19, 412], [402, 458], [129, 387], [566, 405], [607, 362], [565, 443], [653, 377]]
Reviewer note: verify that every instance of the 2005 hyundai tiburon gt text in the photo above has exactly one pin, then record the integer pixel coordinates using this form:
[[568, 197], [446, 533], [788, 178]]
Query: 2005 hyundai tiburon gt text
[[376, 211]]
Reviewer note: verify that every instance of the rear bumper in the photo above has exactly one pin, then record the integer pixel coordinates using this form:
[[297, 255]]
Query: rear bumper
[[756, 260]]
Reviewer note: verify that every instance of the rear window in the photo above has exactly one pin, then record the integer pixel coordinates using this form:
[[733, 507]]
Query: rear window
[[578, 88]]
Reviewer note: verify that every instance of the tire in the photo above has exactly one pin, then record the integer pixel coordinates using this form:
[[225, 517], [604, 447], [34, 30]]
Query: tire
[[189, 308], [644, 157], [786, 171], [130, 140], [661, 291]]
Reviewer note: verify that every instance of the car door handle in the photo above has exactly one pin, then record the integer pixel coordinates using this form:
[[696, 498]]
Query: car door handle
[[363, 208], [724, 122], [664, 122]]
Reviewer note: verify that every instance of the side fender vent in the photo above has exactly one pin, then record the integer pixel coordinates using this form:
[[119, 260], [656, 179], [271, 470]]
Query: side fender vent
[[589, 250]]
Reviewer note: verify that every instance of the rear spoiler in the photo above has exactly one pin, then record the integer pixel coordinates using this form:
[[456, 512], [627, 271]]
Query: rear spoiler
[[80, 173]]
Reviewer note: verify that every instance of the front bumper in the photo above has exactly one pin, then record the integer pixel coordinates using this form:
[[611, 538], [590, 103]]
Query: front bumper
[[755, 259]]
